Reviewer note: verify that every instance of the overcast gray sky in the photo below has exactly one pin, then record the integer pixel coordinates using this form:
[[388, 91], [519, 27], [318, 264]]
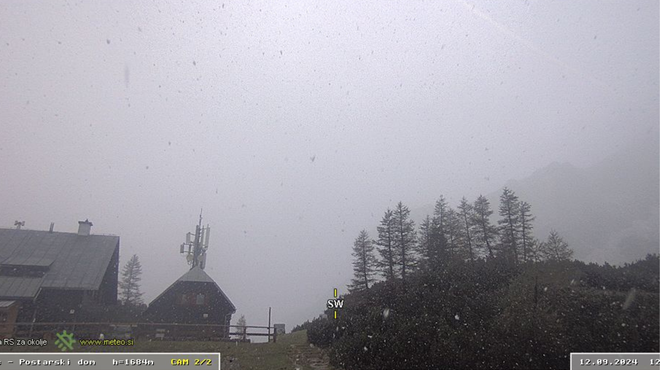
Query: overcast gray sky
[[296, 124]]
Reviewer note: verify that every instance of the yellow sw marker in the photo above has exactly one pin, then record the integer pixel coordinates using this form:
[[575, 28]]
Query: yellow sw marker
[[335, 292], [335, 314]]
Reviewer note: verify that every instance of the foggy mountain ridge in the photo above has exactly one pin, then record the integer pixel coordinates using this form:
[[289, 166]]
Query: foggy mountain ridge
[[294, 126], [607, 212]]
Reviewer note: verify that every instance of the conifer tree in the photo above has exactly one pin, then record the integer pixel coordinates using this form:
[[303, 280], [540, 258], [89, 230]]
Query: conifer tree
[[440, 213], [129, 286], [385, 243], [484, 231], [241, 327], [509, 224], [364, 263], [526, 227], [535, 253], [439, 232], [453, 231], [555, 248], [465, 215], [426, 243], [404, 239]]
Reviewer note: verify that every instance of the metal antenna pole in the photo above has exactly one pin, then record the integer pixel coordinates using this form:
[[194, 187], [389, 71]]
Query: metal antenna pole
[[197, 248]]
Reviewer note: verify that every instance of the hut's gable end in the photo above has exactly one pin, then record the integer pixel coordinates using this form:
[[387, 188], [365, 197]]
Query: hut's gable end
[[190, 303]]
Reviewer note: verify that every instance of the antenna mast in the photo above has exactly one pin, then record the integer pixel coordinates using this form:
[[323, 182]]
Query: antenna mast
[[195, 247]]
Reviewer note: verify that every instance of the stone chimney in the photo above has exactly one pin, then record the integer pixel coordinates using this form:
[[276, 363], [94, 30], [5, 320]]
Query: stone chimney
[[84, 227]]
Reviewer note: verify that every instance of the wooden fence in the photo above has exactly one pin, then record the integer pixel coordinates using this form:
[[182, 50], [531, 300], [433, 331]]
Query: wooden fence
[[143, 330]]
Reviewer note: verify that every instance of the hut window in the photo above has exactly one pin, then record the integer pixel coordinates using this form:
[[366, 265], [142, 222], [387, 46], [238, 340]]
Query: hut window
[[185, 299], [192, 299]]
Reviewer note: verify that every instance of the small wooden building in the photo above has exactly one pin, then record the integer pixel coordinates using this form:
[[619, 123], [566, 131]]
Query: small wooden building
[[194, 302], [8, 314]]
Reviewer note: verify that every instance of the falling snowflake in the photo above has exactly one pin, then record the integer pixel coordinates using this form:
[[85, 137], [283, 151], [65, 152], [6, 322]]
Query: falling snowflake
[[457, 317]]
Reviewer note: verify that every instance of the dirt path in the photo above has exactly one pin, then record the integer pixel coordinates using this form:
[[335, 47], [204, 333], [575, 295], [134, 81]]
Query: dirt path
[[307, 356]]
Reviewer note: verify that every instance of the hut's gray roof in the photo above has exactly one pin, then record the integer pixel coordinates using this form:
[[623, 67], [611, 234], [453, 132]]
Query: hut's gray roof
[[16, 287], [196, 274], [5, 304], [66, 261]]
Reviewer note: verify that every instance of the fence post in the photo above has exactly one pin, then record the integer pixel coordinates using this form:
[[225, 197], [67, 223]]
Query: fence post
[[269, 324], [274, 335]]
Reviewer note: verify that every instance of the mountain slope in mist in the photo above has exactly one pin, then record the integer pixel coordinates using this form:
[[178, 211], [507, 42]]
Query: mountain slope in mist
[[606, 212]]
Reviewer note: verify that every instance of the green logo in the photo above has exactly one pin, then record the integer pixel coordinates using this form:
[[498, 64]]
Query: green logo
[[65, 341]]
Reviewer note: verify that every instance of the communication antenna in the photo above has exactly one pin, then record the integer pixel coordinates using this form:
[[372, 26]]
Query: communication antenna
[[207, 234], [196, 245]]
